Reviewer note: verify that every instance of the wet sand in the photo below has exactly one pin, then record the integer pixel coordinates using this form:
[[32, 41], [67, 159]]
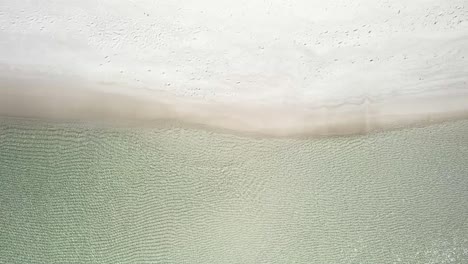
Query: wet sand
[[298, 68], [67, 100], [110, 113]]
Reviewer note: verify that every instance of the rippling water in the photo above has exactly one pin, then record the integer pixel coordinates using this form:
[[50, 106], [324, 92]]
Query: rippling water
[[94, 194]]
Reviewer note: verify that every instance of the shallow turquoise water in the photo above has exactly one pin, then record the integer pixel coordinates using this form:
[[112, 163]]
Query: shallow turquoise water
[[90, 194]]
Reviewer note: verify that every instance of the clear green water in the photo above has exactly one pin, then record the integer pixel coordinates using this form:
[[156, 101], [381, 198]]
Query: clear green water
[[72, 193]]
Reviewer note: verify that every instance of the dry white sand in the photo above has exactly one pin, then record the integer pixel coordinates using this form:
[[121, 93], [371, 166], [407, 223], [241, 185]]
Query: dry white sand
[[269, 67]]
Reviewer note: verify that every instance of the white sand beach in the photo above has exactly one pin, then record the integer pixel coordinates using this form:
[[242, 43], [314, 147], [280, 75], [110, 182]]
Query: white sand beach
[[228, 131], [279, 68]]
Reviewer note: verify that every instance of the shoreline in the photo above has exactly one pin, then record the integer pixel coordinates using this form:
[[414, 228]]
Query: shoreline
[[309, 69], [48, 101]]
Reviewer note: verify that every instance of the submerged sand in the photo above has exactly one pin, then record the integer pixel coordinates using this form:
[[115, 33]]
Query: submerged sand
[[87, 193]]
